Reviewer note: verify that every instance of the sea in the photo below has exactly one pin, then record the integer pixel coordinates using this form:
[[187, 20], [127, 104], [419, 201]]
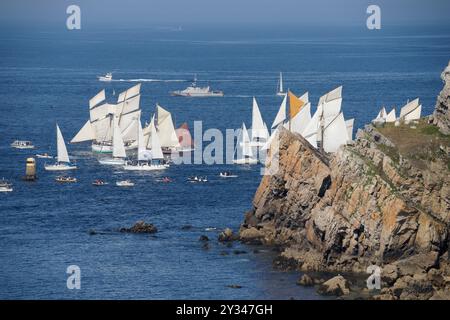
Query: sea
[[47, 77]]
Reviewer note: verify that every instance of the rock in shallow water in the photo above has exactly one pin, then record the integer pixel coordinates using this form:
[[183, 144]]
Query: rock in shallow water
[[305, 281], [140, 227], [337, 286]]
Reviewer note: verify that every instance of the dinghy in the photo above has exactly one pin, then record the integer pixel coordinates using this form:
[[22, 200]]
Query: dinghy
[[5, 186], [125, 183], [227, 174], [99, 183], [63, 161], [244, 151], [65, 179], [21, 144], [44, 156]]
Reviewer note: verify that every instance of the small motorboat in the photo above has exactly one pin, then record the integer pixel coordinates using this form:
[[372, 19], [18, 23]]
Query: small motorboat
[[197, 179], [99, 182], [227, 174], [5, 186], [106, 78], [44, 156], [125, 183], [21, 144], [65, 179]]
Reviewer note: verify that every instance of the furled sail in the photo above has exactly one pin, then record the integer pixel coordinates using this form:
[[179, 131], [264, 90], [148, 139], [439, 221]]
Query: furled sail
[[118, 147], [166, 130], [411, 111], [85, 134], [281, 115], [63, 156]]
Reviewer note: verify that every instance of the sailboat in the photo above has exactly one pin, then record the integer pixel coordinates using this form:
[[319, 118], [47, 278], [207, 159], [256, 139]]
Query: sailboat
[[148, 161], [119, 154], [299, 115], [166, 130], [259, 132], [280, 91], [328, 126], [98, 128], [245, 156], [63, 161], [411, 111]]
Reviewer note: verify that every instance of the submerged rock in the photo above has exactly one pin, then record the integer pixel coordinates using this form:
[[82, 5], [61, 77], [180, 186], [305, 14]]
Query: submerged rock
[[226, 235], [305, 281], [140, 227]]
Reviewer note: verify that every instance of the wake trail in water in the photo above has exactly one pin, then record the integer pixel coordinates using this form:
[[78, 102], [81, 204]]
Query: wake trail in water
[[150, 80]]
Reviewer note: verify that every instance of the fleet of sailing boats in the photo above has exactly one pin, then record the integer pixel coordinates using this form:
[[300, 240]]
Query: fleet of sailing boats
[[411, 111]]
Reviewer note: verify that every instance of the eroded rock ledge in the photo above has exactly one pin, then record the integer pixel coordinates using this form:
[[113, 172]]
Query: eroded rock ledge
[[370, 203]]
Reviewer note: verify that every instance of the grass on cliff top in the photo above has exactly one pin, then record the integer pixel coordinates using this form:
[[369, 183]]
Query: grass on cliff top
[[421, 144]]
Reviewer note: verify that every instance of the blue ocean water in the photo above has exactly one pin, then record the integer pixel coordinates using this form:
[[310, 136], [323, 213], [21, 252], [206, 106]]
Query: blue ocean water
[[49, 76]]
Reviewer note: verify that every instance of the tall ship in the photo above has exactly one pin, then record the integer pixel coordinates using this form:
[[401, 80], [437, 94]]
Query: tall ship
[[100, 126], [194, 91]]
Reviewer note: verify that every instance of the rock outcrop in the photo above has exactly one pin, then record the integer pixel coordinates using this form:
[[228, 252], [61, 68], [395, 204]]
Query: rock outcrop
[[140, 227], [441, 115], [383, 200]]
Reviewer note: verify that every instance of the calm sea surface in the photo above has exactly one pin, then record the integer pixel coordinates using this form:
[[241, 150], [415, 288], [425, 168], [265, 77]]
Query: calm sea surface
[[48, 77]]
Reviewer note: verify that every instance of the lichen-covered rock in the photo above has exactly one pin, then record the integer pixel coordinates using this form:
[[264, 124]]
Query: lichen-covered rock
[[441, 115]]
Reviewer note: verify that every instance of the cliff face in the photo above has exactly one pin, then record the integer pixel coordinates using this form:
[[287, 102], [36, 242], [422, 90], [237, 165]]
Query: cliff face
[[366, 204], [441, 115]]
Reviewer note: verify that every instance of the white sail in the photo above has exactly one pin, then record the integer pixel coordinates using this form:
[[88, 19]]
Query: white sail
[[391, 116], [143, 153], [129, 93], [63, 156], [311, 130], [301, 119], [167, 135], [128, 125], [85, 134], [411, 111], [118, 147], [101, 111], [334, 133], [269, 141], [258, 131], [281, 115], [103, 129], [156, 150], [349, 124], [128, 106], [99, 97], [280, 87]]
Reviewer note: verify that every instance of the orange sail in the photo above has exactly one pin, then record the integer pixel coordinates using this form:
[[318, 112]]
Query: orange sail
[[295, 104]]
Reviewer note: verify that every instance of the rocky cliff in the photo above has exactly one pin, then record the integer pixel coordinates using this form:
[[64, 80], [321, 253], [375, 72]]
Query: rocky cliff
[[441, 115], [384, 200]]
